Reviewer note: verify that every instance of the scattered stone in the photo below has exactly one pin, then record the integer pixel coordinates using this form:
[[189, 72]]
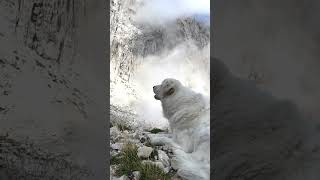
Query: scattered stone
[[159, 156], [113, 170], [117, 146], [136, 175], [136, 136], [114, 132], [144, 152], [164, 158], [124, 177], [166, 170]]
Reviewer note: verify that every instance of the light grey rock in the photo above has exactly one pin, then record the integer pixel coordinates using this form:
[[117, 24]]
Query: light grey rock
[[144, 151], [136, 175], [166, 170], [113, 170], [117, 146], [163, 157], [136, 135], [114, 132], [124, 177]]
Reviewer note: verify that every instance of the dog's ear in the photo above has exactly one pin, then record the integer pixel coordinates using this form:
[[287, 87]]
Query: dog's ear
[[169, 92]]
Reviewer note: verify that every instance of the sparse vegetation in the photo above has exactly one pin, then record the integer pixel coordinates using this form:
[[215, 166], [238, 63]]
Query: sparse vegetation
[[128, 161], [115, 159], [151, 171], [156, 130]]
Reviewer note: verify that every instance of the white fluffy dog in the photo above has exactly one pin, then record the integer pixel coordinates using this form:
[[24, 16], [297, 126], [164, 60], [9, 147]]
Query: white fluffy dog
[[189, 119]]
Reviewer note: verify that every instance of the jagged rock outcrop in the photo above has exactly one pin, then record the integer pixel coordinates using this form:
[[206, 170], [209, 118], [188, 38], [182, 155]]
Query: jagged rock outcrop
[[47, 27], [132, 41]]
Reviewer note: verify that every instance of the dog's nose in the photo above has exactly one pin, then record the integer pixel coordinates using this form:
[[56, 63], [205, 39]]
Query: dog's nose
[[154, 87]]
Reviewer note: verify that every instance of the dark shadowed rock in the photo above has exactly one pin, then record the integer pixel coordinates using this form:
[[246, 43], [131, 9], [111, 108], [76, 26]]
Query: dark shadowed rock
[[255, 135]]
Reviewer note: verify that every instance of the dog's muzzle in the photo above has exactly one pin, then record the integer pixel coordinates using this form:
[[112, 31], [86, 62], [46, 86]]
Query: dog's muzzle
[[155, 96]]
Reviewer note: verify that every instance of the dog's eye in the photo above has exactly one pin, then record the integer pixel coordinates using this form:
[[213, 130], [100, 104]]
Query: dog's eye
[[170, 91]]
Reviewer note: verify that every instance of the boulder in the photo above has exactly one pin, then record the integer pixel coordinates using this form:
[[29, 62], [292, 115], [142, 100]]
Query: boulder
[[144, 151]]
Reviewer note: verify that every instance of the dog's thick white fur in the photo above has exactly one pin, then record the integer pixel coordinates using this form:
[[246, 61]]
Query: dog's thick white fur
[[188, 114]]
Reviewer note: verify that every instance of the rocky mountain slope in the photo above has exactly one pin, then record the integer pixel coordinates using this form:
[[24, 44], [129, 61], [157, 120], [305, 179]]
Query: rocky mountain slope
[[50, 82], [133, 42], [139, 51]]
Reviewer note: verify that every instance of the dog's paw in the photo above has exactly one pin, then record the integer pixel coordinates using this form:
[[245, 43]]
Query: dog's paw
[[156, 140], [178, 151], [175, 163]]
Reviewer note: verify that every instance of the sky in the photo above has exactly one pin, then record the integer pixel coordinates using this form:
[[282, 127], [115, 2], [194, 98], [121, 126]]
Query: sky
[[160, 11]]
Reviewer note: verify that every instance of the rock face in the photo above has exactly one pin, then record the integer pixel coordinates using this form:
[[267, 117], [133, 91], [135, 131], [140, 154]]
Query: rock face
[[46, 27], [51, 81], [132, 42], [249, 140]]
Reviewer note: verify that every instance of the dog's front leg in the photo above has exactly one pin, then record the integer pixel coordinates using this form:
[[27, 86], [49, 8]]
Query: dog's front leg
[[163, 140]]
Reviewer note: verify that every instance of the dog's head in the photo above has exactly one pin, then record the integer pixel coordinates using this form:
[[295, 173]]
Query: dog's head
[[167, 88]]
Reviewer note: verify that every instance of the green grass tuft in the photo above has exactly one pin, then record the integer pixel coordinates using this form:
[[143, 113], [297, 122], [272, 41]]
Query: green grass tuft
[[151, 171], [115, 159], [128, 161]]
